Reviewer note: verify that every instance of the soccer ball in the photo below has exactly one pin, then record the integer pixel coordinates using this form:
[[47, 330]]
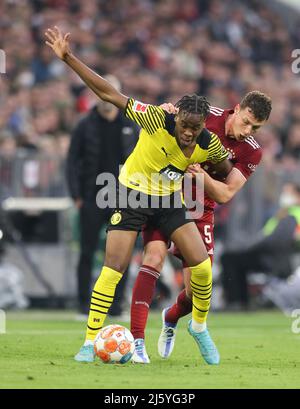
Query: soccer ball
[[114, 344]]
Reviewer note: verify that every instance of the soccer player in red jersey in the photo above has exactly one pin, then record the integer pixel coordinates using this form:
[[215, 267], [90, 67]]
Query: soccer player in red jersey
[[235, 128]]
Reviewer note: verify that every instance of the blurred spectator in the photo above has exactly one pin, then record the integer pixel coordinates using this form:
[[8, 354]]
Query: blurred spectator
[[159, 50], [270, 252], [8, 149], [292, 146]]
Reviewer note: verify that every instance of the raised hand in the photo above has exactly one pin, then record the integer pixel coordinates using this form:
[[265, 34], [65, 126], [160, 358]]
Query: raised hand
[[58, 42], [170, 108]]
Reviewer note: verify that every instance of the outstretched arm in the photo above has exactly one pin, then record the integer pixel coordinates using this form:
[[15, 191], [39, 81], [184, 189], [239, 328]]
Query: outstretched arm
[[101, 87]]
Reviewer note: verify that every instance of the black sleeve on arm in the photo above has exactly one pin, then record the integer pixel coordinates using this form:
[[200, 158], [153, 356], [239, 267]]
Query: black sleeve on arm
[[74, 160], [223, 168], [170, 123]]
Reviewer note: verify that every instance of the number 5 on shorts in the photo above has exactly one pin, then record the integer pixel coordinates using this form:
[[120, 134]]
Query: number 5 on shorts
[[207, 234]]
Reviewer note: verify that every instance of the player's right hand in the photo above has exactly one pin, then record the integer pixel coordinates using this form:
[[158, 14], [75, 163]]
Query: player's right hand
[[58, 42]]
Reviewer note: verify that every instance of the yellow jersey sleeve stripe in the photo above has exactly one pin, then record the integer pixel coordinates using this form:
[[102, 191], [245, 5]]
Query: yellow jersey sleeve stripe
[[140, 121], [216, 151], [158, 116], [149, 117], [214, 140]]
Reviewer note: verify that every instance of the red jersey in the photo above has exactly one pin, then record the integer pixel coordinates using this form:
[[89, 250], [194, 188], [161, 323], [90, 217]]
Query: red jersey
[[244, 155]]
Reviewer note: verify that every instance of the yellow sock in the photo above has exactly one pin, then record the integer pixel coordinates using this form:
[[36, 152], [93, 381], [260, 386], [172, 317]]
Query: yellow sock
[[201, 285], [102, 298]]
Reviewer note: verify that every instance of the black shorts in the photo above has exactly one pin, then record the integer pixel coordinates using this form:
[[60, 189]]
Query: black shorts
[[165, 213]]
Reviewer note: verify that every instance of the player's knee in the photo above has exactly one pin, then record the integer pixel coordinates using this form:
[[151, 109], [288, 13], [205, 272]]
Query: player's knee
[[115, 263], [154, 259], [194, 261]]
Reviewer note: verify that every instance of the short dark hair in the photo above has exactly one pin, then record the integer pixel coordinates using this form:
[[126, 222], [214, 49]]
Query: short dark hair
[[194, 104], [259, 103]]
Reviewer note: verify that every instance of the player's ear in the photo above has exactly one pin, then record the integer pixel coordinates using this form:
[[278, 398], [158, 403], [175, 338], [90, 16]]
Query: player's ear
[[237, 108]]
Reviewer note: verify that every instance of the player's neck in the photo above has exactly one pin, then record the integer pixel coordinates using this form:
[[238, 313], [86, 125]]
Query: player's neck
[[228, 127], [188, 151]]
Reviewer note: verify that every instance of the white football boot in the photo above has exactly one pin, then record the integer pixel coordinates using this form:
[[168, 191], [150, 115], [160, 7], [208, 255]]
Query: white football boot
[[166, 340], [140, 355]]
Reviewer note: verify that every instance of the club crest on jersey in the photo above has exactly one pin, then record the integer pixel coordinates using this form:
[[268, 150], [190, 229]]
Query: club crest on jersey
[[116, 218], [231, 153], [140, 107]]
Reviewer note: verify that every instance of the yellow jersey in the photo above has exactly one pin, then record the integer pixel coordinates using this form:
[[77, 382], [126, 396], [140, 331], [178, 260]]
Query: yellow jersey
[[157, 164]]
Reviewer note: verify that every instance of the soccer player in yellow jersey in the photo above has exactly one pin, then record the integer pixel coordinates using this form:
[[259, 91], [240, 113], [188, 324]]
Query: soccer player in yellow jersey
[[168, 144]]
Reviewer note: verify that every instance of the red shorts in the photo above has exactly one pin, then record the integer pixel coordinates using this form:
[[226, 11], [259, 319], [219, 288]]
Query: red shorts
[[205, 226]]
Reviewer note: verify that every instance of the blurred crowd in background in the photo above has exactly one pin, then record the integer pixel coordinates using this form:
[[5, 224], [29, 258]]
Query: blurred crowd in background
[[160, 50]]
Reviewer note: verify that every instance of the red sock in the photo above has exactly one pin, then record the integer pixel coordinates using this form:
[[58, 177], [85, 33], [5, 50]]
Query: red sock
[[142, 295], [182, 307]]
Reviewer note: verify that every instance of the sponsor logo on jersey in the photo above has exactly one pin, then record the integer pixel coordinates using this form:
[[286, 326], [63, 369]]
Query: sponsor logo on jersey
[[116, 218], [172, 173], [252, 167], [140, 107]]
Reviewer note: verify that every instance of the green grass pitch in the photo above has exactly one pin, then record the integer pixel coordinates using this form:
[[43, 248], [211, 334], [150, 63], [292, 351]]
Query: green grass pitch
[[258, 350]]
